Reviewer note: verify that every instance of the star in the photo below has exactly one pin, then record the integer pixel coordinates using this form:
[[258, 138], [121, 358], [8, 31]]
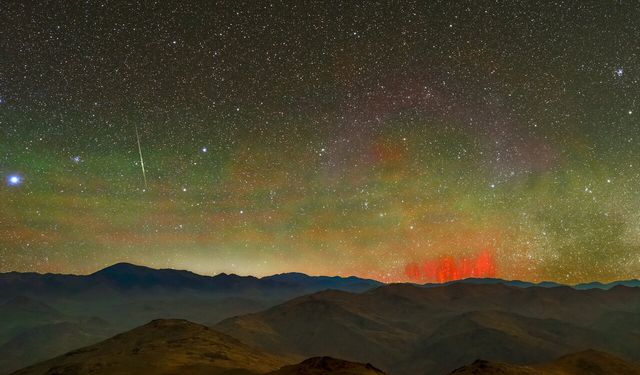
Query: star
[[204, 149], [619, 72], [14, 180]]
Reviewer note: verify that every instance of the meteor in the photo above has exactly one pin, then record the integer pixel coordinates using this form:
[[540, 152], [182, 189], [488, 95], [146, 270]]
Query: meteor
[[144, 173]]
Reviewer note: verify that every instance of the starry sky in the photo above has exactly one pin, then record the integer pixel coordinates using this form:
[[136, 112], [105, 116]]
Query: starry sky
[[402, 141]]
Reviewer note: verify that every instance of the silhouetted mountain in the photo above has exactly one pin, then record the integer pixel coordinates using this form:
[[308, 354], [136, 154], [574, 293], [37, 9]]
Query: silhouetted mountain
[[543, 284], [516, 283], [125, 277], [396, 326], [407, 329], [351, 283], [588, 362], [126, 295], [328, 365], [131, 295], [598, 285], [162, 347]]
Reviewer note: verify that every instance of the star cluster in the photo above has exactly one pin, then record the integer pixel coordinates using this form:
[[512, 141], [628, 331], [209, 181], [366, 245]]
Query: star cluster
[[421, 141]]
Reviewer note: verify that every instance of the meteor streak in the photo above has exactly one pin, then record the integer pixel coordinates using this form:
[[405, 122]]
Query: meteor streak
[[144, 173]]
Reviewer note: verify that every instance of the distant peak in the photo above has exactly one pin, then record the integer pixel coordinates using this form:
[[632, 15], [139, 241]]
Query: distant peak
[[123, 267], [292, 274], [288, 276]]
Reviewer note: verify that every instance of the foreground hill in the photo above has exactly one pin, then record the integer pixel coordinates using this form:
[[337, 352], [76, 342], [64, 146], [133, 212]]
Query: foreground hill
[[162, 347], [588, 362], [406, 329], [327, 365]]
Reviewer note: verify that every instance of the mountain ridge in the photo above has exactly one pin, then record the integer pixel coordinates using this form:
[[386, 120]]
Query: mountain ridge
[[126, 295], [408, 328], [127, 268]]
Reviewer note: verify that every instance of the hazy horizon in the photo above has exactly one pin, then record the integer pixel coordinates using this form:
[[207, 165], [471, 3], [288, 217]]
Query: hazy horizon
[[259, 276]]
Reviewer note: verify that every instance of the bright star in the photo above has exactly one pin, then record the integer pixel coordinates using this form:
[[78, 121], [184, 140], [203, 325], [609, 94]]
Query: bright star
[[619, 72], [204, 149], [14, 180]]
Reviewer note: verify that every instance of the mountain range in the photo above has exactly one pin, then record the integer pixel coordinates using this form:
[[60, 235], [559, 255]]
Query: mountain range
[[408, 329], [401, 328], [44, 315], [543, 284], [129, 278]]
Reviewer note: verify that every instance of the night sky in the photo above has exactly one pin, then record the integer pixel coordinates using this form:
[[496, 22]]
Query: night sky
[[421, 141]]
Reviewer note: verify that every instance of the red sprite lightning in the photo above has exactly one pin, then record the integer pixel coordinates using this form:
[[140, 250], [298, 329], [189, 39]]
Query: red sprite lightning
[[447, 268]]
